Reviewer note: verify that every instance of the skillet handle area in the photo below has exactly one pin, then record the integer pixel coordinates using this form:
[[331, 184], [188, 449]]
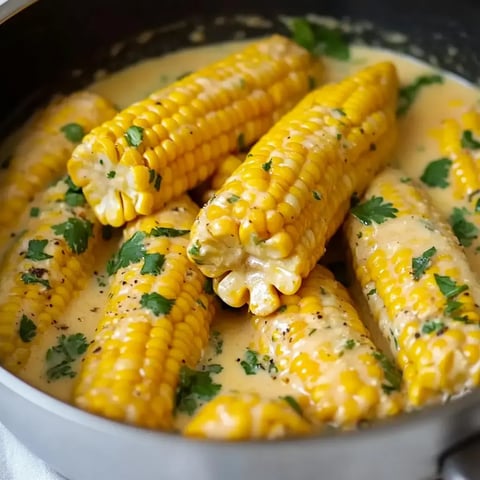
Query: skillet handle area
[[462, 462]]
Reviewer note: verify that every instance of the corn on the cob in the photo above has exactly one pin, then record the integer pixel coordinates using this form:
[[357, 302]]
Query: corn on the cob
[[156, 320], [419, 286], [224, 170], [43, 151], [50, 261], [268, 225], [321, 347], [247, 416], [168, 143]]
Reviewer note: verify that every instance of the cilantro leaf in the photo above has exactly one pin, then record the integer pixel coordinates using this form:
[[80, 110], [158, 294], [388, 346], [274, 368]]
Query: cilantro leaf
[[73, 132], [134, 136], [409, 93], [76, 232], [168, 232], [393, 375], [132, 251], [60, 357], [155, 178], [153, 264], [452, 306], [34, 212], [252, 362], [194, 250], [374, 211], [421, 263], [34, 275], [316, 195], [156, 303], [267, 165], [111, 174], [233, 198], [293, 403], [241, 142], [208, 286], [27, 329], [320, 39], [464, 230], [449, 287], [432, 327], [350, 344], [468, 140], [194, 388], [436, 173], [36, 249], [216, 342], [74, 195]]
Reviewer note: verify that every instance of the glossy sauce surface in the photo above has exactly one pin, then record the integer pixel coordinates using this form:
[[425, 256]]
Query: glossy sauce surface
[[417, 147]]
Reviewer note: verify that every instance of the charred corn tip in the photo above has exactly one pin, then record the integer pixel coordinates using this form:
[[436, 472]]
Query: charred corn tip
[[42, 151], [168, 143], [268, 239], [320, 345], [247, 416], [156, 320], [420, 289], [42, 272]]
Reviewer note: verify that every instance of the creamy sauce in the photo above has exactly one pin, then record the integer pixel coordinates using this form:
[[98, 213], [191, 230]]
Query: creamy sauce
[[416, 148]]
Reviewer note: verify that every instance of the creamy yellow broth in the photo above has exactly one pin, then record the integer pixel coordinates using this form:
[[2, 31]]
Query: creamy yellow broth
[[416, 148]]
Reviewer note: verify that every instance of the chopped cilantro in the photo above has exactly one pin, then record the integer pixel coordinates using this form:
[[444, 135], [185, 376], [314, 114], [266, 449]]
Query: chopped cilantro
[[452, 306], [320, 39], [281, 308], [36, 249], [421, 263], [76, 232], [233, 199], [395, 341], [194, 388], [477, 206], [153, 264], [241, 142], [409, 93], [464, 230], [168, 232], [393, 375], [267, 165], [316, 195], [436, 173], [74, 195], [73, 132], [216, 341], [251, 363], [199, 302], [157, 303], [155, 178], [34, 275], [374, 211], [350, 344], [371, 292], [34, 212], [468, 141], [27, 329], [406, 180], [312, 331], [194, 250], [432, 327], [134, 136], [312, 82], [60, 357], [449, 287], [340, 111], [111, 174], [293, 404], [132, 251]]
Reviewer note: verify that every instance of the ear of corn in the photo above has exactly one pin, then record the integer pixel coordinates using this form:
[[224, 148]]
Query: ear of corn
[[247, 417], [47, 265], [294, 190], [41, 154], [321, 347], [168, 143], [156, 320], [420, 289]]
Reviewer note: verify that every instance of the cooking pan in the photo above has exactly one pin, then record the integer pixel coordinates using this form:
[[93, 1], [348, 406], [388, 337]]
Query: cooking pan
[[56, 45]]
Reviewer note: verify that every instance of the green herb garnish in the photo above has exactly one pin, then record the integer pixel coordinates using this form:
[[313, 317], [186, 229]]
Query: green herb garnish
[[134, 135], [74, 195], [267, 165], [168, 232], [233, 199], [60, 357], [27, 329], [111, 174], [293, 403], [241, 142], [350, 344], [76, 232], [449, 287], [34, 275], [421, 263], [393, 375], [73, 132], [132, 251], [156, 303], [153, 264], [36, 249], [409, 93], [464, 230], [432, 327], [316, 195], [216, 341], [154, 178], [34, 212], [374, 210], [208, 286], [468, 141], [436, 173]]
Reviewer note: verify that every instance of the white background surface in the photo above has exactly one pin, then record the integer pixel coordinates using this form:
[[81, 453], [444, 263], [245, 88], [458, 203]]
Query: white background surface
[[17, 463]]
